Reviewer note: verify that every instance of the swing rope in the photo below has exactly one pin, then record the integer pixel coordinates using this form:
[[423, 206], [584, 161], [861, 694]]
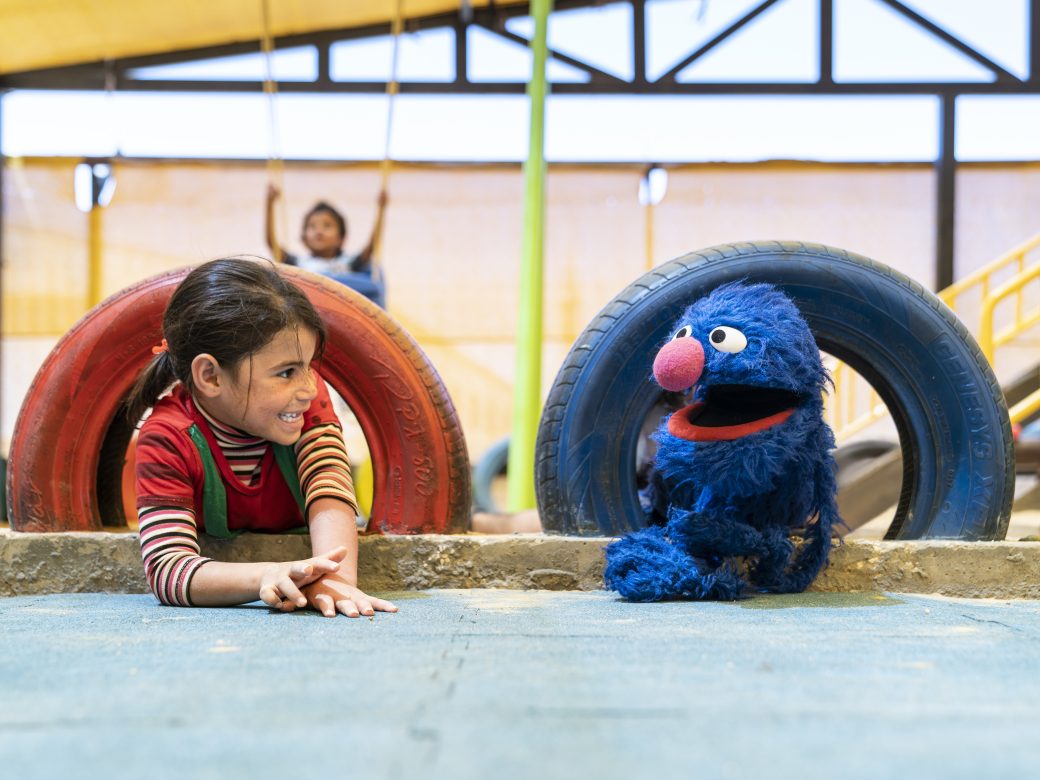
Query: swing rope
[[392, 88], [275, 163]]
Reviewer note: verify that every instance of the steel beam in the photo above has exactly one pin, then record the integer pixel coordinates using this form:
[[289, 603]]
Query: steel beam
[[946, 192], [92, 76], [826, 43]]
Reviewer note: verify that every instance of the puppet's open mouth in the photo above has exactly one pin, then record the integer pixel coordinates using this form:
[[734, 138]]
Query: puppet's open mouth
[[729, 412]]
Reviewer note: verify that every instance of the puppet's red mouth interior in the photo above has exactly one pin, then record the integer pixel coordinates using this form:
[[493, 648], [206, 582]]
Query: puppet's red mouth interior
[[727, 412]]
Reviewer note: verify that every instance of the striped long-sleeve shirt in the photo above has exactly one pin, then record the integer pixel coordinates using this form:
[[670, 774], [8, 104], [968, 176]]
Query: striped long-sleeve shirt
[[168, 484]]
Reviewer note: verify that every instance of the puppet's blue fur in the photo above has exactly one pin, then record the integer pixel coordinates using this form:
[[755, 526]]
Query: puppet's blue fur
[[731, 512]]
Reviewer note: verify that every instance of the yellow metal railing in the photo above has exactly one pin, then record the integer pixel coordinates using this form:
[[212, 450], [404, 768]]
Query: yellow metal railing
[[983, 277], [848, 418], [844, 411], [1024, 319]]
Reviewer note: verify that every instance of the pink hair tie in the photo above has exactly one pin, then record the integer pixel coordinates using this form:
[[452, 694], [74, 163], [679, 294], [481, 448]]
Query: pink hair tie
[[164, 347]]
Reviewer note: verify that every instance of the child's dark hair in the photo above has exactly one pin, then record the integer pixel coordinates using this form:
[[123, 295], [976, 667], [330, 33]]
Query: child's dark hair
[[228, 308], [321, 207]]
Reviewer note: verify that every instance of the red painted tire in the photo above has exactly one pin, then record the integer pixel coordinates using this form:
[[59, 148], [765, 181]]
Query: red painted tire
[[72, 435]]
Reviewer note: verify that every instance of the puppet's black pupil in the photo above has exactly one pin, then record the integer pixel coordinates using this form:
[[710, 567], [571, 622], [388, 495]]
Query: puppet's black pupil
[[718, 336]]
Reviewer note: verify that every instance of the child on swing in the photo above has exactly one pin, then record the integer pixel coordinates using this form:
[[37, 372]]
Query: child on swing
[[246, 440], [324, 233]]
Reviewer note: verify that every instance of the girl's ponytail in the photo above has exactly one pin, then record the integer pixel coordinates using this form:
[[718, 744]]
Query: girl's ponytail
[[153, 381]]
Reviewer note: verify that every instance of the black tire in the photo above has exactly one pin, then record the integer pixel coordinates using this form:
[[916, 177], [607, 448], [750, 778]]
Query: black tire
[[492, 464], [958, 474]]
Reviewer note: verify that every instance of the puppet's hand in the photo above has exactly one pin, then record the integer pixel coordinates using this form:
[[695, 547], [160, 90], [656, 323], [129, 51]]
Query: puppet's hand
[[645, 566], [706, 535], [331, 594]]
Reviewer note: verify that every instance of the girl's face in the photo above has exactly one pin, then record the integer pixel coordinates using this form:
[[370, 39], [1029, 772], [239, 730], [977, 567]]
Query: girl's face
[[271, 390], [321, 235]]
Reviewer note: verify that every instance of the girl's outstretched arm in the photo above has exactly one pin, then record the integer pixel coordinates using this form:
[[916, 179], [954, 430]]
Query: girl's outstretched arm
[[333, 525], [219, 584], [179, 575], [331, 509]]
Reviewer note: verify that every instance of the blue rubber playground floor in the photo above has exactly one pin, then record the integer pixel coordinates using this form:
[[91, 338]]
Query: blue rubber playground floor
[[507, 684]]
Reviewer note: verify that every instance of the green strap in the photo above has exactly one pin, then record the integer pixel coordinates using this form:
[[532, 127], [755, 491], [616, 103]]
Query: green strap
[[214, 496]]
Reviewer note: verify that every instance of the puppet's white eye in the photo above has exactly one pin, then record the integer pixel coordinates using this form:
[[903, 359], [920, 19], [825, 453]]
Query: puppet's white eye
[[683, 332], [726, 339]]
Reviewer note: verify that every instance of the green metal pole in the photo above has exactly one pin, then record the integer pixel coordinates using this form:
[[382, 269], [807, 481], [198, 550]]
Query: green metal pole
[[527, 392]]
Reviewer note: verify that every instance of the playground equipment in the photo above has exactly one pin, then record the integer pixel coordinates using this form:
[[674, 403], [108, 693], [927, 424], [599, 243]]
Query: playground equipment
[[371, 284], [1000, 305], [952, 420], [72, 432], [976, 300]]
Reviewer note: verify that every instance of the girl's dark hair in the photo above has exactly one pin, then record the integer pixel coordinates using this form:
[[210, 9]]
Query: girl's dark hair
[[321, 207], [229, 308]]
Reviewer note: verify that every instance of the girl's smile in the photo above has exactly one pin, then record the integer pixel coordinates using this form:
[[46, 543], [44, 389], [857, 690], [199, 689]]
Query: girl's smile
[[269, 392]]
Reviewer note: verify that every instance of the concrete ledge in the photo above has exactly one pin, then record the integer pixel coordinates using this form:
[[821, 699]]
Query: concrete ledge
[[965, 569], [110, 562]]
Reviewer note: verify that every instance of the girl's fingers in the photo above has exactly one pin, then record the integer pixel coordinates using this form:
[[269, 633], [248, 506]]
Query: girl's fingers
[[348, 608], [336, 555], [270, 596], [292, 594], [384, 606], [324, 564], [365, 606], [323, 602]]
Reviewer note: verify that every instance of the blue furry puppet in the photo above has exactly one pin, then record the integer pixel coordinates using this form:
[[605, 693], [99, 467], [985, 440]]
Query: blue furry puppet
[[745, 470]]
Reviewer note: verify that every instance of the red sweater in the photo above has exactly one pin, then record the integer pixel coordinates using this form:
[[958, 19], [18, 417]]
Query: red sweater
[[170, 485]]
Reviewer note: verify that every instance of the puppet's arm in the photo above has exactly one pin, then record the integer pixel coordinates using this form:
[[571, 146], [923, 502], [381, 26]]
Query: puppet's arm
[[813, 553]]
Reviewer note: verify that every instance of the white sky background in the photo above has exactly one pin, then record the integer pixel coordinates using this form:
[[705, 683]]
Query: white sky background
[[779, 45]]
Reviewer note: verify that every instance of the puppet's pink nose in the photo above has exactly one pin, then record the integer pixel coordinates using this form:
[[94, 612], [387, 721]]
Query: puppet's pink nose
[[679, 364]]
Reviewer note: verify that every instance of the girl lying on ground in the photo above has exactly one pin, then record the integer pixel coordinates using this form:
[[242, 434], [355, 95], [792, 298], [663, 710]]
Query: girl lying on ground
[[247, 440]]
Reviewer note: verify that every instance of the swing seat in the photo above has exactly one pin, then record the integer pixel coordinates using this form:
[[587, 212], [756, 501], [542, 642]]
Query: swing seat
[[373, 289]]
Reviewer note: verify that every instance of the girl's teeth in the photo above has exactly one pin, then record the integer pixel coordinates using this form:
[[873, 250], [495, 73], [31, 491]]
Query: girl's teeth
[[290, 417]]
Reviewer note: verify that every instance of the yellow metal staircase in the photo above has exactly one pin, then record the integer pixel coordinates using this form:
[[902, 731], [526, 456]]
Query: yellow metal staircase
[[999, 303]]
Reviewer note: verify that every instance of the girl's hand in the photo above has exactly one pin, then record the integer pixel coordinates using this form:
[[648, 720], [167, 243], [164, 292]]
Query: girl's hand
[[331, 594], [281, 582]]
